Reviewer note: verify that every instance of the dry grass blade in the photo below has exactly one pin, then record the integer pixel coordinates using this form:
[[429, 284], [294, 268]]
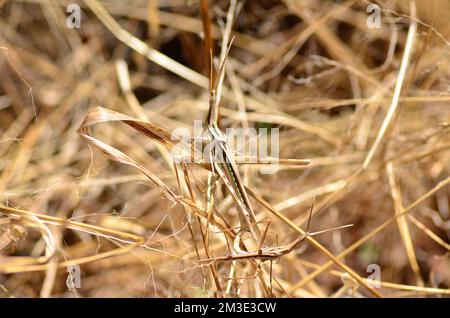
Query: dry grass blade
[[12, 264], [333, 259], [101, 115], [271, 253], [402, 223], [219, 122], [143, 48]]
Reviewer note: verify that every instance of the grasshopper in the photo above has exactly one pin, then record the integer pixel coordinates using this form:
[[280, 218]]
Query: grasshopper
[[226, 168]]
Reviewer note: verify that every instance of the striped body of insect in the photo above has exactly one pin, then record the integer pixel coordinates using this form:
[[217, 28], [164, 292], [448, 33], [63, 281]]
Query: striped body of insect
[[229, 173]]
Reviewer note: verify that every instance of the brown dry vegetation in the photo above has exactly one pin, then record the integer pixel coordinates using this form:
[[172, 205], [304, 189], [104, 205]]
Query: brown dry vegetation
[[369, 107]]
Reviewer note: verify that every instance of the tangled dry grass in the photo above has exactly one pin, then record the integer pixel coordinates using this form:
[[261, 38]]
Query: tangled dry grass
[[368, 108]]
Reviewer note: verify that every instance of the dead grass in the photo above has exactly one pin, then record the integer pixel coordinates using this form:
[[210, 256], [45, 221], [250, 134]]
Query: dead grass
[[87, 177]]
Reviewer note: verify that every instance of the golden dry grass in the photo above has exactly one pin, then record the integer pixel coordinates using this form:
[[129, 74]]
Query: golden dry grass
[[87, 176]]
